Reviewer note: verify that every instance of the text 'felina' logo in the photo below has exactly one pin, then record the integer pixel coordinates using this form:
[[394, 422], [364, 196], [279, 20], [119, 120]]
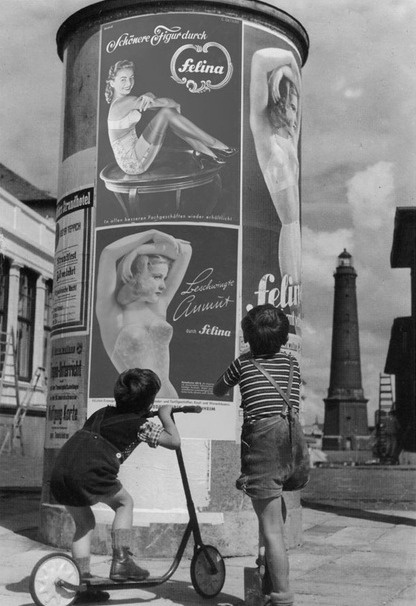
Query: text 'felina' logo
[[201, 68]]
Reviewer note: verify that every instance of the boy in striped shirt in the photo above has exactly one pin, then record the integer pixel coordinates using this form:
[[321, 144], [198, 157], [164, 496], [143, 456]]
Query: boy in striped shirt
[[274, 454]]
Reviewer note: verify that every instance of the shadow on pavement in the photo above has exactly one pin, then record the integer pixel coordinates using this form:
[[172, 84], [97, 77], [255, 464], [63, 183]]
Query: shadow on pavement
[[359, 513], [19, 587], [177, 592]]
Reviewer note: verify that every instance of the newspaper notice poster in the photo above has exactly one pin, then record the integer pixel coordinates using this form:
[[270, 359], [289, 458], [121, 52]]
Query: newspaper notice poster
[[72, 262], [176, 314], [66, 396], [169, 120]]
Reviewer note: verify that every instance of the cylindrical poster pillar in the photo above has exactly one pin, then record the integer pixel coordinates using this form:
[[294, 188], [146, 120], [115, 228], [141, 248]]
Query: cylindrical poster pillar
[[178, 210]]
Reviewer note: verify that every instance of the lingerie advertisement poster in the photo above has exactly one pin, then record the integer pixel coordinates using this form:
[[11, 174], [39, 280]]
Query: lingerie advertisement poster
[[169, 100], [271, 204], [72, 257], [165, 298]]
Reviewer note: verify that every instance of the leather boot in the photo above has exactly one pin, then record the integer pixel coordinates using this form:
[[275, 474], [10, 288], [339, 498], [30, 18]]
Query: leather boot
[[282, 598], [89, 595], [123, 567]]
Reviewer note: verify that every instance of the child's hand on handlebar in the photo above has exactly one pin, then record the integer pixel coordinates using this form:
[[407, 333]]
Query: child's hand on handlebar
[[165, 411], [169, 437]]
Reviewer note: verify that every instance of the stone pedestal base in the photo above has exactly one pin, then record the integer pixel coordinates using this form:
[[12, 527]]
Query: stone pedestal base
[[226, 517], [157, 534]]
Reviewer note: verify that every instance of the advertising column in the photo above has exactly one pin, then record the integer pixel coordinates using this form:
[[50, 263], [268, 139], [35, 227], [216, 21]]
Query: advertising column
[[179, 210], [167, 229]]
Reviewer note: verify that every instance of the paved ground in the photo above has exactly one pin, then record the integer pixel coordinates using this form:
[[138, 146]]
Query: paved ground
[[359, 543], [350, 557]]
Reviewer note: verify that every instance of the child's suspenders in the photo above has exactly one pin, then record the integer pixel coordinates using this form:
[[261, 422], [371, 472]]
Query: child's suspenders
[[287, 408]]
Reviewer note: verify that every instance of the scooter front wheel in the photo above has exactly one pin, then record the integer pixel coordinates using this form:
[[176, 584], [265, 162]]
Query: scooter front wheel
[[52, 578], [207, 571]]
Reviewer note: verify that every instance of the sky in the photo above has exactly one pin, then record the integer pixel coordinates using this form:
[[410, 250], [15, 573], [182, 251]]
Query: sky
[[358, 154]]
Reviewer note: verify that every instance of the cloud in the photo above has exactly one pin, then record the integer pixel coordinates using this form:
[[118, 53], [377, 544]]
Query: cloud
[[320, 251], [353, 93], [370, 196], [383, 293]]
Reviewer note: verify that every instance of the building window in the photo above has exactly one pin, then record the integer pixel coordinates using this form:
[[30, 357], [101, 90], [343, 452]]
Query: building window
[[25, 323], [47, 325]]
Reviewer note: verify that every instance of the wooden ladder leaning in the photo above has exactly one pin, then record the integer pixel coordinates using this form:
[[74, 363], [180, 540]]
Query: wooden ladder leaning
[[9, 377]]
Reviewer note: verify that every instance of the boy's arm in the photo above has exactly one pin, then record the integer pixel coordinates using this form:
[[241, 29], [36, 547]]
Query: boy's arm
[[228, 379], [169, 438], [220, 388]]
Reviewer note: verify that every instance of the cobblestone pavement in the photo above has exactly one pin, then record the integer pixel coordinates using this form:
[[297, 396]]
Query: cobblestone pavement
[[348, 558], [359, 543]]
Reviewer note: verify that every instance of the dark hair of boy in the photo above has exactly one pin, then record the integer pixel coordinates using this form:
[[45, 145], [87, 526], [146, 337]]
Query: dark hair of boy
[[135, 390], [265, 329]]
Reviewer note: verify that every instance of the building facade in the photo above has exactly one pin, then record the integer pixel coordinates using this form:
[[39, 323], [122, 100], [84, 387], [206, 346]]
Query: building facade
[[27, 239], [401, 355]]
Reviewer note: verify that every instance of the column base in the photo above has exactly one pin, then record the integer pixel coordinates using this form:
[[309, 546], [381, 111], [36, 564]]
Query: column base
[[157, 534]]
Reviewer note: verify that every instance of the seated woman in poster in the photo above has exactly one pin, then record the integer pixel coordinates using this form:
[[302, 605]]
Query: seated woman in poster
[[138, 277], [275, 123], [137, 126]]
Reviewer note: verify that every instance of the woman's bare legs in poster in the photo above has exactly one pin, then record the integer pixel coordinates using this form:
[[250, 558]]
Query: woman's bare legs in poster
[[197, 138]]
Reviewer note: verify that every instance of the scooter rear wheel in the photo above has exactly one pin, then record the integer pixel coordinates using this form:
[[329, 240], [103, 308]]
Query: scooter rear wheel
[[206, 581], [45, 578]]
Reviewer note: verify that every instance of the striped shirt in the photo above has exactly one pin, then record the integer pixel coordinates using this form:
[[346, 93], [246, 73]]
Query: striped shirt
[[259, 399]]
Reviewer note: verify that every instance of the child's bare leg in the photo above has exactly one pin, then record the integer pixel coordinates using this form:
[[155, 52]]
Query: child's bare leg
[[269, 513], [84, 526], [81, 549], [123, 567], [122, 505]]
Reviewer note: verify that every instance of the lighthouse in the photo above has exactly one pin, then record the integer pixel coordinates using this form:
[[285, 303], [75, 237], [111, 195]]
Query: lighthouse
[[345, 425]]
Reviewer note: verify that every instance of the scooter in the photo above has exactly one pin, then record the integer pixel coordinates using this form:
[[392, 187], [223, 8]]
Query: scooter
[[56, 578]]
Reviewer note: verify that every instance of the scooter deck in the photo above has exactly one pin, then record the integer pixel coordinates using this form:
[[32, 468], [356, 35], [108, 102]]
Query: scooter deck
[[107, 583]]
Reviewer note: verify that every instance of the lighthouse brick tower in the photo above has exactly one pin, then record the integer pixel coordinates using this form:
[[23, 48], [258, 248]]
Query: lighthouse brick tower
[[345, 426]]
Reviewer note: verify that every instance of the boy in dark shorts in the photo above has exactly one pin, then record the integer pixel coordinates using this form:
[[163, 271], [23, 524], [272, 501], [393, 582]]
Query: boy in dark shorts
[[86, 470], [274, 454]]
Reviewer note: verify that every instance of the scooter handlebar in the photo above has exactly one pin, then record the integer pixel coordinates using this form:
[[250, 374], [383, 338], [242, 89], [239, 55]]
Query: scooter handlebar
[[189, 408]]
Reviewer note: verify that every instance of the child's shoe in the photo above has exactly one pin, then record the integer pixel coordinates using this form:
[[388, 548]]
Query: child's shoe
[[91, 595], [281, 599], [123, 567]]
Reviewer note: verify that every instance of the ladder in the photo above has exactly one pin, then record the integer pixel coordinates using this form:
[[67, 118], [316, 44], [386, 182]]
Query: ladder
[[8, 365], [385, 393], [9, 377], [385, 405]]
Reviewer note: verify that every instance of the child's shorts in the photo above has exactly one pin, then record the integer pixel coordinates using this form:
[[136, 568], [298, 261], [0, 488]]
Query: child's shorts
[[85, 470], [270, 461]]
